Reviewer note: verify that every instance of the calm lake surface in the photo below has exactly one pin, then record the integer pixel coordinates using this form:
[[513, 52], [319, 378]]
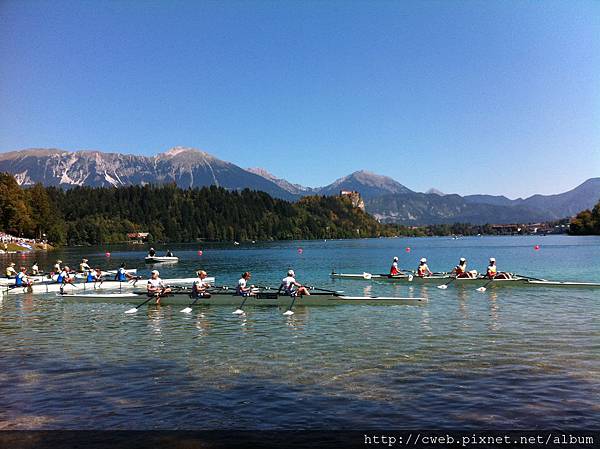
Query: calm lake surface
[[509, 358]]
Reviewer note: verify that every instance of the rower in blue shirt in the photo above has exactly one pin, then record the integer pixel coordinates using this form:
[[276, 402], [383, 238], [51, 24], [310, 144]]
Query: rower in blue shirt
[[63, 277], [122, 274], [94, 275], [22, 280]]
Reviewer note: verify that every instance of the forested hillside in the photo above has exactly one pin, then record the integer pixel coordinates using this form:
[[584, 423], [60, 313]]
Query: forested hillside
[[86, 215], [586, 222]]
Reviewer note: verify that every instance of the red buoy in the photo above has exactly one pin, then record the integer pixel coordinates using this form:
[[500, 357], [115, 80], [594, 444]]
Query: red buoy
[[407, 249], [107, 254], [536, 247], [200, 252], [300, 250]]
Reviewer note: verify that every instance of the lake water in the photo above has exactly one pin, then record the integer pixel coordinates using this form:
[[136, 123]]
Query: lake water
[[509, 358]]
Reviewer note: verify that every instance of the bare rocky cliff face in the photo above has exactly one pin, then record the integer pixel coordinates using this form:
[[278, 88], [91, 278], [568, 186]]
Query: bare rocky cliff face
[[186, 167]]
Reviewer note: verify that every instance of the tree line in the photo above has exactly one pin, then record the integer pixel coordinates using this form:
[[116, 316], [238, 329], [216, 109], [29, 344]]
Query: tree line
[[94, 216], [586, 222]]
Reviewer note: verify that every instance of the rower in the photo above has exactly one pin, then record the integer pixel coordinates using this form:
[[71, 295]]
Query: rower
[[94, 275], [394, 271], [151, 252], [22, 280], [122, 274], [63, 276], [242, 288], [83, 266], [423, 270], [10, 270], [169, 253], [200, 286], [291, 287], [156, 287], [492, 271], [460, 271], [35, 269]]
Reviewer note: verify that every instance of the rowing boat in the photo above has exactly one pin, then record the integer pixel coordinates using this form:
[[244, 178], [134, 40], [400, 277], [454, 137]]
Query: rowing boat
[[139, 284], [38, 279], [443, 278], [158, 259], [262, 299]]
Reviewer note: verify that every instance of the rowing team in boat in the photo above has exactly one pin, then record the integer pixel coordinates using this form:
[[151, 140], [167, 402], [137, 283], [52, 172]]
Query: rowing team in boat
[[460, 270], [64, 273], [201, 288]]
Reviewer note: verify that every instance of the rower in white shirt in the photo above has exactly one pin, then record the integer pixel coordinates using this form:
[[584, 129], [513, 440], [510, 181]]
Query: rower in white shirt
[[156, 287], [292, 287], [242, 288], [200, 286]]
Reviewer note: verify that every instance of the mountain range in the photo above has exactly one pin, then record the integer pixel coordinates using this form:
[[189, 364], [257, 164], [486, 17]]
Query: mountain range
[[385, 198]]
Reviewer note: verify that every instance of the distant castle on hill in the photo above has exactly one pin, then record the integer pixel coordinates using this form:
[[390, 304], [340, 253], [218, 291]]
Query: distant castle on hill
[[354, 196]]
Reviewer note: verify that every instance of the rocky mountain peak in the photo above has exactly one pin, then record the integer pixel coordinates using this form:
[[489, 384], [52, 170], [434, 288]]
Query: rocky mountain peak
[[369, 184], [180, 152], [295, 189], [434, 191]]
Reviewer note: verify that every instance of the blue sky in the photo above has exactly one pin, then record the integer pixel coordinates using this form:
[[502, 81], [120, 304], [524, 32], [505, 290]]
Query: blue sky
[[468, 97]]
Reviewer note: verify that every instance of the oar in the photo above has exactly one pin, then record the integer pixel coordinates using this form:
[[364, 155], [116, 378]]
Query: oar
[[239, 310], [445, 286], [483, 288], [188, 309], [135, 309], [289, 311], [154, 296]]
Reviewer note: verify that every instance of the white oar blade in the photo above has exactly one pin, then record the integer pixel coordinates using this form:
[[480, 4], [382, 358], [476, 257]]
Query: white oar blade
[[238, 312], [288, 313], [367, 276], [442, 287], [131, 310], [186, 310], [410, 277], [481, 289]]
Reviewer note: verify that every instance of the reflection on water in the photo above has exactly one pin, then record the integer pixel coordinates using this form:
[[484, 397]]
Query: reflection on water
[[462, 360], [494, 308]]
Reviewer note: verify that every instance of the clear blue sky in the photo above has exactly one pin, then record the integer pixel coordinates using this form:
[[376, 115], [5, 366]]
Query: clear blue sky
[[469, 97]]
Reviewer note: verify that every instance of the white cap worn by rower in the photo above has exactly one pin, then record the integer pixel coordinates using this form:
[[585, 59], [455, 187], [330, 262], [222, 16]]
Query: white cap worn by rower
[[492, 259], [155, 272], [423, 260], [291, 273], [395, 259], [462, 259]]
